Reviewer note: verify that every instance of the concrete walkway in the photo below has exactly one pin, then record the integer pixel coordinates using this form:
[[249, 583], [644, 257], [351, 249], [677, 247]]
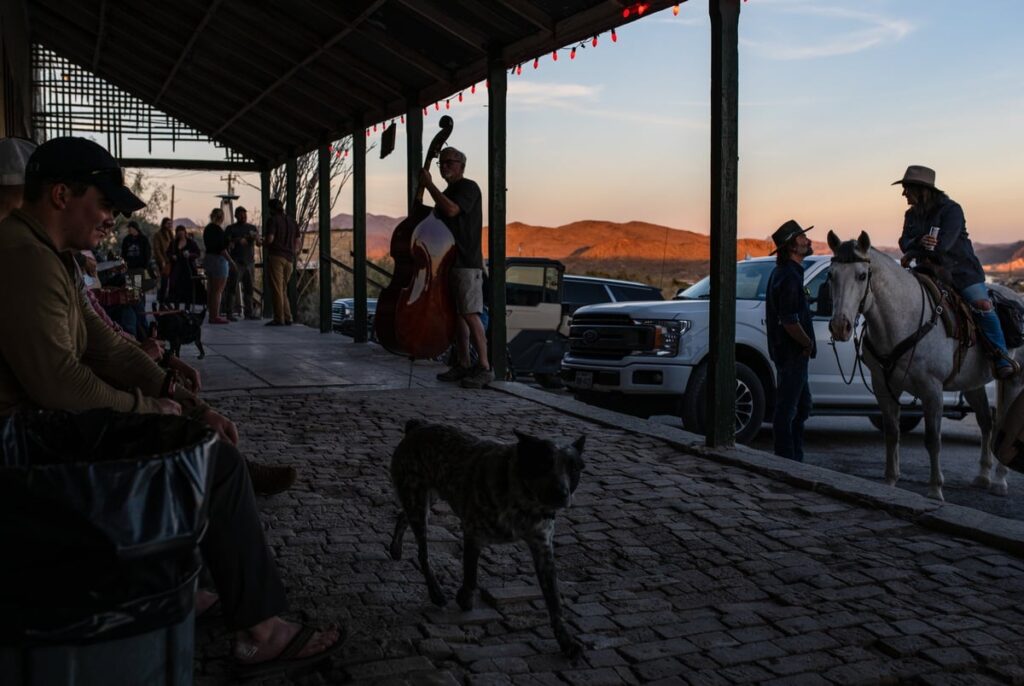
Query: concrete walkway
[[677, 565]]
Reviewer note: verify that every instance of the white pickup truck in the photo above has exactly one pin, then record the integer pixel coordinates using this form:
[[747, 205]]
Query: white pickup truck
[[649, 358]]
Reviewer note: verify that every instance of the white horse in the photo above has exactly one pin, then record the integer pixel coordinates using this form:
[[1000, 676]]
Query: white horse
[[896, 308]]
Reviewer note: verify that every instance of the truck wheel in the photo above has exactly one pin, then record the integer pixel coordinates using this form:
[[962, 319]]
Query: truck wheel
[[907, 424], [750, 402], [548, 380]]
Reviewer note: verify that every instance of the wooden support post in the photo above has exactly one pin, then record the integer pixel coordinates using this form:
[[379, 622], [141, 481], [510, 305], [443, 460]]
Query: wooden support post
[[721, 405], [266, 302], [413, 151], [291, 208], [324, 213], [496, 157], [359, 231]]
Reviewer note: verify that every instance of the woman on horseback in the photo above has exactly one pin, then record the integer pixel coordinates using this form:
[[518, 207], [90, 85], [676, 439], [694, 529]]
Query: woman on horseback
[[934, 231]]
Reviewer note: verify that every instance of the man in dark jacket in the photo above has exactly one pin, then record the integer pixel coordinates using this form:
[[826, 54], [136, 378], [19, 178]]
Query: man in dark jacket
[[242, 239], [790, 338], [135, 249], [934, 231]]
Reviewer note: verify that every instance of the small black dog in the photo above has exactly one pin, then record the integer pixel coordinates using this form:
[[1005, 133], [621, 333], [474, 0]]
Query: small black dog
[[179, 328], [501, 492]]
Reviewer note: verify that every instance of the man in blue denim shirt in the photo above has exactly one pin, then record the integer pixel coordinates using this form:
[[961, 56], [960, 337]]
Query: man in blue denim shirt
[[790, 338]]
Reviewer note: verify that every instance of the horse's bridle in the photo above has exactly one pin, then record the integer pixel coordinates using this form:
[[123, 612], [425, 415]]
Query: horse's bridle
[[909, 344]]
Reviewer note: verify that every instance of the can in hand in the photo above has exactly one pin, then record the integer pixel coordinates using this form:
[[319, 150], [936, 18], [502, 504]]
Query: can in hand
[[934, 233]]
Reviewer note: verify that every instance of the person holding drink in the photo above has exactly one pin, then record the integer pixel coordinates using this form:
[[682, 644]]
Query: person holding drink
[[935, 232]]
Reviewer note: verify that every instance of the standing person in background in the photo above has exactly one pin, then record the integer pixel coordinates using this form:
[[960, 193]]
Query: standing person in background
[[215, 263], [182, 256], [281, 241], [242, 239], [14, 153], [162, 240], [135, 249]]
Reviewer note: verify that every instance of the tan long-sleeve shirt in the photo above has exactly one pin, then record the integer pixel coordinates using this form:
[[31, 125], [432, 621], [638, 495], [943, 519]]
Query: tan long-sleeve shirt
[[55, 351]]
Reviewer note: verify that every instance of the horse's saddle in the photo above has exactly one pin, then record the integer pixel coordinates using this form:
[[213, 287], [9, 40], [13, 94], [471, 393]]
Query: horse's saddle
[[955, 314]]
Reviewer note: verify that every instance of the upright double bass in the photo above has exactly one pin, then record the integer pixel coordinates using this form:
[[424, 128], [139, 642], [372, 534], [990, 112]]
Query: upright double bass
[[415, 315]]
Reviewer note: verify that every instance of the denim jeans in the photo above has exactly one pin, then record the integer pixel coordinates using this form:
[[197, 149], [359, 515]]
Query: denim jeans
[[792, 408]]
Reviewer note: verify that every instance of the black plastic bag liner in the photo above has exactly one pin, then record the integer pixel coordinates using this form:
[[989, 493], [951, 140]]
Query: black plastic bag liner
[[100, 516]]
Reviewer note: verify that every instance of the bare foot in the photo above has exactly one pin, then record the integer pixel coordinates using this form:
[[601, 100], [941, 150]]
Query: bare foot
[[268, 639]]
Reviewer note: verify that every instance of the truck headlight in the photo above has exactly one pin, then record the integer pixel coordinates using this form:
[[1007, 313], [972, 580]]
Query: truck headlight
[[666, 336]]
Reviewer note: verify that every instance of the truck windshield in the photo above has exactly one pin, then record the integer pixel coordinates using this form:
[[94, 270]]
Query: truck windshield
[[751, 282]]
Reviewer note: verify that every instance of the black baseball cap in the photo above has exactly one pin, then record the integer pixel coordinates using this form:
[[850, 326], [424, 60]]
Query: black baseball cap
[[69, 158]]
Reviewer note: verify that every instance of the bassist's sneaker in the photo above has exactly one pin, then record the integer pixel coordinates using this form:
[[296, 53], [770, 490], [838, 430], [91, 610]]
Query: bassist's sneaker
[[478, 378], [455, 373]]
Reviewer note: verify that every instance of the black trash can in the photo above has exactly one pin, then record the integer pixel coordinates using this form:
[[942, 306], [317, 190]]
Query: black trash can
[[100, 516]]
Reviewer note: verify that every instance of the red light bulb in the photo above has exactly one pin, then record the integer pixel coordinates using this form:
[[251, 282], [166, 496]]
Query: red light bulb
[[460, 96], [472, 89], [593, 43], [519, 69], [615, 36], [572, 54], [448, 104], [554, 56], [437, 106], [536, 62], [675, 10], [625, 13]]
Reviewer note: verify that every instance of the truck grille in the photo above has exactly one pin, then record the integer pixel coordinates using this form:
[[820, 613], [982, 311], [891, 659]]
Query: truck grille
[[608, 337]]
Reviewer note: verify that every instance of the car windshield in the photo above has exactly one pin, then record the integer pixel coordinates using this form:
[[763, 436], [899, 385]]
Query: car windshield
[[751, 282]]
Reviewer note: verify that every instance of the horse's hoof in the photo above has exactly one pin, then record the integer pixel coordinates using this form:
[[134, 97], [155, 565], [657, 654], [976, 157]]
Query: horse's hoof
[[998, 489], [981, 481], [936, 494]]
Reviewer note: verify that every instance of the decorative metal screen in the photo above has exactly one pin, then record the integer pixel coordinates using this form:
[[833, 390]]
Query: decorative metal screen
[[70, 100]]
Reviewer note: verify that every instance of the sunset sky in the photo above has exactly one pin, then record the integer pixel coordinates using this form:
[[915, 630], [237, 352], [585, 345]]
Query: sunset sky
[[837, 97]]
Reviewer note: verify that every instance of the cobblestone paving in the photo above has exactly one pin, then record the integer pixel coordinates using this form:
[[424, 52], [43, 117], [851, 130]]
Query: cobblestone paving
[[674, 569]]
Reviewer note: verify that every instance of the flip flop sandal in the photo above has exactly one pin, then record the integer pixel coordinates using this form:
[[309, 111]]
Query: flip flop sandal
[[286, 660]]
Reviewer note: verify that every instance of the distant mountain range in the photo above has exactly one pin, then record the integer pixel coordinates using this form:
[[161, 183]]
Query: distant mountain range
[[635, 247]]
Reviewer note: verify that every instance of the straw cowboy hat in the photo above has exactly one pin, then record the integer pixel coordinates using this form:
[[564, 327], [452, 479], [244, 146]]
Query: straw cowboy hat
[[918, 175], [785, 233]]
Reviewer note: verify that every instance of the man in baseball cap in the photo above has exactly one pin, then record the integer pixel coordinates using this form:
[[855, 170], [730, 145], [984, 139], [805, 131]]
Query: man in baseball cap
[[79, 161]]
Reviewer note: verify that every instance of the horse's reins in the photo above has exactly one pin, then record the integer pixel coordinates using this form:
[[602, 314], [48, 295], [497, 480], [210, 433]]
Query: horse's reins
[[889, 360]]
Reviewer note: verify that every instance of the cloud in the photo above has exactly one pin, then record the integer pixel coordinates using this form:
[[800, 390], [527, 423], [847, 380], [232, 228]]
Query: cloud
[[550, 94], [585, 101], [875, 30]]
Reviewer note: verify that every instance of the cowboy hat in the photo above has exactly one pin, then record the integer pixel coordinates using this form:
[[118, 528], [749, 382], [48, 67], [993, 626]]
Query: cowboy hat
[[785, 233], [918, 175]]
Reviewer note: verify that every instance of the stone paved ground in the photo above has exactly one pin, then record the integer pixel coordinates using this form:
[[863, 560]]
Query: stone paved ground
[[674, 569]]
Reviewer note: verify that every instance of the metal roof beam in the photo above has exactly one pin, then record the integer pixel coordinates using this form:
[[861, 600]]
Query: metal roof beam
[[187, 49], [528, 11], [464, 33], [100, 31], [350, 26]]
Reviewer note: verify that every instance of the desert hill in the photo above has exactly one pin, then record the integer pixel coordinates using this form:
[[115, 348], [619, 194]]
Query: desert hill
[[656, 254]]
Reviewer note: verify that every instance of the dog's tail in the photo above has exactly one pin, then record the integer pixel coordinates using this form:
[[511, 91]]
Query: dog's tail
[[414, 424]]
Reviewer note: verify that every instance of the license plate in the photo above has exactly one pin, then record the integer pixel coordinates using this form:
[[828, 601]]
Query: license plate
[[584, 379]]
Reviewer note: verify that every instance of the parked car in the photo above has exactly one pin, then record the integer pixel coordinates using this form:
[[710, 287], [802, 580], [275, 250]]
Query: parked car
[[652, 357], [588, 290], [343, 311], [540, 299]]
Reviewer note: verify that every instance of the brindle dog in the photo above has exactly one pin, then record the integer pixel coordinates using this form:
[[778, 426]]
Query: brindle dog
[[501, 492]]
